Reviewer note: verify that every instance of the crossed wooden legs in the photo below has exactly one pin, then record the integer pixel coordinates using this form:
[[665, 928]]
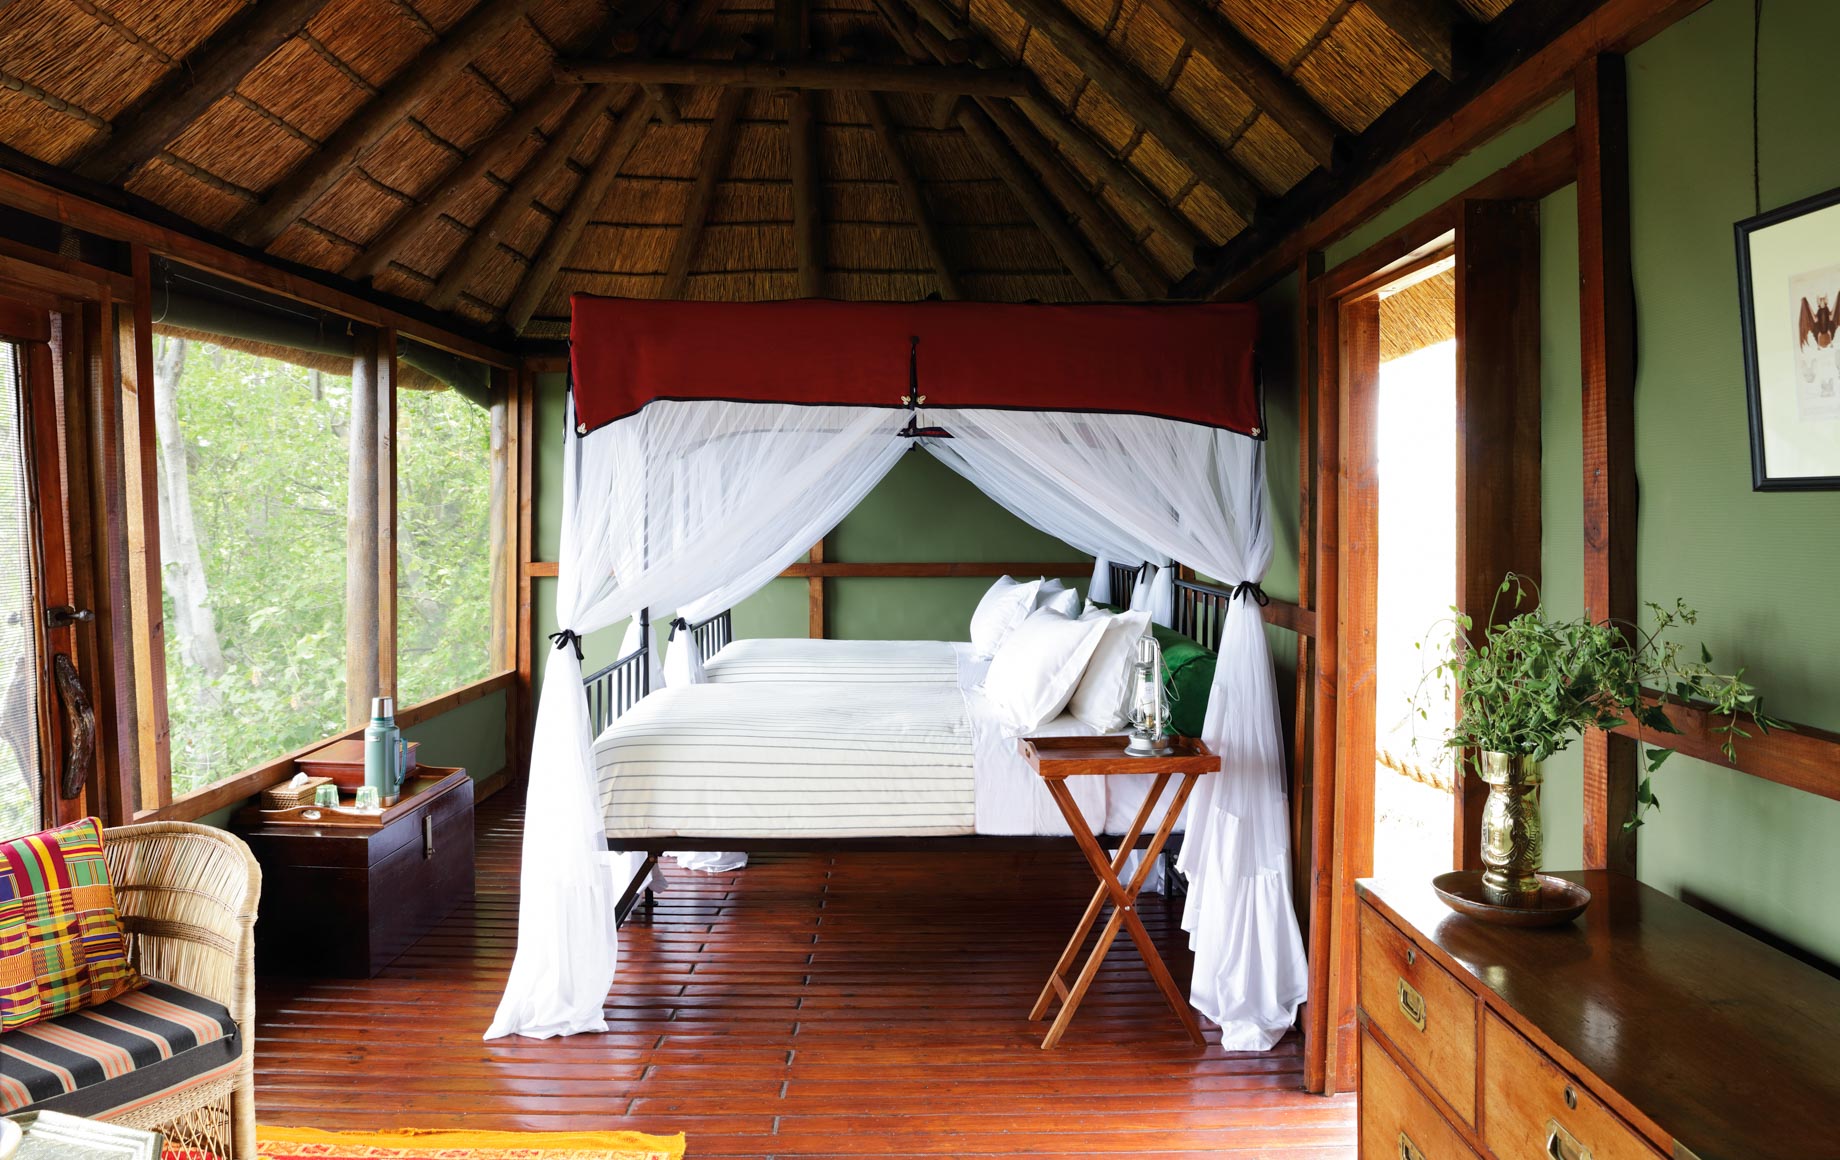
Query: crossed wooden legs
[[1124, 909]]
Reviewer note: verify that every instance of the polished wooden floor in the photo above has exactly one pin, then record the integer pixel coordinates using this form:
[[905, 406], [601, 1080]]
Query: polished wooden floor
[[809, 1006]]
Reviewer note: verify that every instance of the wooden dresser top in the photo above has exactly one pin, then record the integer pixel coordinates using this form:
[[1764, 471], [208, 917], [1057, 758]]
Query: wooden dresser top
[[1728, 1045]]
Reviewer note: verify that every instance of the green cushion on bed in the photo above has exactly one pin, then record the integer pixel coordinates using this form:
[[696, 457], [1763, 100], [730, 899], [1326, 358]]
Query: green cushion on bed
[[1190, 669]]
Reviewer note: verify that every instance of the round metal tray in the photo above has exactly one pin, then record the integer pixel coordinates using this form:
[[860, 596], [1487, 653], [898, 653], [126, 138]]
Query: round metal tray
[[1560, 900]]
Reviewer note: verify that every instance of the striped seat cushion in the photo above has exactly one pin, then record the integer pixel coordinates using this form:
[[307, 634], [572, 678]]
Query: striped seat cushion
[[117, 1056]]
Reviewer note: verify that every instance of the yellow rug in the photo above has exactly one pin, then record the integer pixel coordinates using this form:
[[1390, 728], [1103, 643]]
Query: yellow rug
[[437, 1144]]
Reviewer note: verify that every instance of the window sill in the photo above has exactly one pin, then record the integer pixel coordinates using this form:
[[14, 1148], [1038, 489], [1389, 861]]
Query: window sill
[[209, 799]]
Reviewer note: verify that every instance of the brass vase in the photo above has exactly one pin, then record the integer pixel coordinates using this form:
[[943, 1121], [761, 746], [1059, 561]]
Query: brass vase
[[1511, 838]]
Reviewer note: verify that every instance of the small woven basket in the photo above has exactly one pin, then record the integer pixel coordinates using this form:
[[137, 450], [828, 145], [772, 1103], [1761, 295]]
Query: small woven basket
[[284, 797]]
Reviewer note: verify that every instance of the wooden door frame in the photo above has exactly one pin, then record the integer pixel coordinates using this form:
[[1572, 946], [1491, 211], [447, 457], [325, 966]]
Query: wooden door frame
[[1340, 498]]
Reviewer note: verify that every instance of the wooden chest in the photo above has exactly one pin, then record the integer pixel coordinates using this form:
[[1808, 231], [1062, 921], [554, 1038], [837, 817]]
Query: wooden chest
[[346, 900], [1646, 1030]]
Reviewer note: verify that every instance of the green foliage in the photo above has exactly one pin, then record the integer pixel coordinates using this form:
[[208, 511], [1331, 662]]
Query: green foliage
[[266, 449], [1531, 684]]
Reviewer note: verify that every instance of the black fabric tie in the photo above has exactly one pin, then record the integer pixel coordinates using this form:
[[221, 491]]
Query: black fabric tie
[[567, 637], [1251, 589], [679, 624]]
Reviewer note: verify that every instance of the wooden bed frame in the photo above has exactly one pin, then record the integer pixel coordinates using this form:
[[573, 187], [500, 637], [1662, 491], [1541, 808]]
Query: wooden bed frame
[[1200, 612]]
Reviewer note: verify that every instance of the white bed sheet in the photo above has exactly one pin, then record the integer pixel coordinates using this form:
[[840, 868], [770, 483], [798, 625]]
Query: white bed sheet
[[796, 738], [846, 661]]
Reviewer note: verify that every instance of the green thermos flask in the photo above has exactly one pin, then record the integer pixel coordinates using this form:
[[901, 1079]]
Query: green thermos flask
[[382, 760]]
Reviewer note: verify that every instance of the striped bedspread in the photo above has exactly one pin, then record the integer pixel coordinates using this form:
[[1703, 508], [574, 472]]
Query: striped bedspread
[[837, 661], [753, 758]]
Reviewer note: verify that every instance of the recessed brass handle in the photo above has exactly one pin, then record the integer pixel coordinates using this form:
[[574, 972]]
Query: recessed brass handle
[[1408, 1150], [1562, 1145], [1411, 1004]]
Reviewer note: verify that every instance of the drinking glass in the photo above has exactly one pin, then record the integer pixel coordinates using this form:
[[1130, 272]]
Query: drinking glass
[[368, 799], [327, 796]]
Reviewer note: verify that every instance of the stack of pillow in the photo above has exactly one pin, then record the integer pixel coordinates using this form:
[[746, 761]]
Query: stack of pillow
[[1047, 656]]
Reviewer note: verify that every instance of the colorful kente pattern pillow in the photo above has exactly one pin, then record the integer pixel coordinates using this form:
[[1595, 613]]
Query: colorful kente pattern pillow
[[61, 943]]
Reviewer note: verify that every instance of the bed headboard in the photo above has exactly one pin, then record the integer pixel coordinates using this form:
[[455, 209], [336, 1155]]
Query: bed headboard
[[1201, 609], [618, 687]]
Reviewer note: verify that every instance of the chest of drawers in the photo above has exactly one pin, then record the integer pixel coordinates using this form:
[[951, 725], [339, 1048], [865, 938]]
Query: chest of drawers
[[1645, 1030]]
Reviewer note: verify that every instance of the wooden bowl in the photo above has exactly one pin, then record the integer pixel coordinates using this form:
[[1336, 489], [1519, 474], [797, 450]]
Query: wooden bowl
[[1560, 900]]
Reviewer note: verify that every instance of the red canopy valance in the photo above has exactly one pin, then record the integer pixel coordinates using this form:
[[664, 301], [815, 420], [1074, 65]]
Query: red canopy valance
[[1188, 362]]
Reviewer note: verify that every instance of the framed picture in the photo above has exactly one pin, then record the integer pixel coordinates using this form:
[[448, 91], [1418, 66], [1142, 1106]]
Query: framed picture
[[1789, 303]]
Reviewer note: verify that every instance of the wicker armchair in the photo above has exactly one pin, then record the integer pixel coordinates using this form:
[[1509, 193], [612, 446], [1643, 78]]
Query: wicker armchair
[[187, 899]]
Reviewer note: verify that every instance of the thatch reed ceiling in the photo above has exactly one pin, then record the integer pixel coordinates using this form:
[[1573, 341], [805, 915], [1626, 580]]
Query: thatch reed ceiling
[[490, 158]]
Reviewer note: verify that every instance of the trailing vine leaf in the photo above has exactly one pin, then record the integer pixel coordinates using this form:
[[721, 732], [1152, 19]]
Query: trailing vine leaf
[[1530, 685]]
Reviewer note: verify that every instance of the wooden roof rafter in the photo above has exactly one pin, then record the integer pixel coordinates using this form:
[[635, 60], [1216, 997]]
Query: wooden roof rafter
[[1430, 29], [308, 181], [888, 134], [209, 73]]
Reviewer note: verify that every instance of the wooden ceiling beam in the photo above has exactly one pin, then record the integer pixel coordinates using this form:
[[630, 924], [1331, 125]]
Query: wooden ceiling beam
[[307, 182], [504, 140], [1114, 243], [509, 209], [909, 183], [1428, 27], [1078, 143], [886, 78], [1518, 62], [1047, 216], [589, 194], [1144, 102], [791, 41], [208, 73], [712, 163], [1277, 95]]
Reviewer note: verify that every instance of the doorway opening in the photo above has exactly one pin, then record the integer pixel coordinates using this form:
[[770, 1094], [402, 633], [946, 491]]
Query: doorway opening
[[1416, 584]]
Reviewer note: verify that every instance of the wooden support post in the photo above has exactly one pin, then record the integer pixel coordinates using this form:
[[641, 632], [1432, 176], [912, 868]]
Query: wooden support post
[[1308, 738], [209, 73], [501, 492], [818, 628], [142, 477], [1348, 541], [718, 144], [361, 611], [1498, 436], [307, 182], [1035, 201], [523, 691], [1144, 101], [504, 140], [909, 183], [386, 513], [1277, 95], [1608, 332]]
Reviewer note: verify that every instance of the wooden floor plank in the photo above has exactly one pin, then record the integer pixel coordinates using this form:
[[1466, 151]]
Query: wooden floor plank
[[823, 1007]]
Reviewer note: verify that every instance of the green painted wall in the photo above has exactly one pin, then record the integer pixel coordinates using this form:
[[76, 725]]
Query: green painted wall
[[1759, 567]]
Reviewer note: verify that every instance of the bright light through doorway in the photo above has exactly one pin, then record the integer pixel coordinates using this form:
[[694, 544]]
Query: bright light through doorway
[[1414, 775]]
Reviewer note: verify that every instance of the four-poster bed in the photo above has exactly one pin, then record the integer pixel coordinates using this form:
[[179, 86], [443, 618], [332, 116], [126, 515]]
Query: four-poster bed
[[760, 444]]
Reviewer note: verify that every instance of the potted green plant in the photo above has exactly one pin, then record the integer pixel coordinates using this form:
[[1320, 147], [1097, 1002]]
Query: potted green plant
[[1528, 685]]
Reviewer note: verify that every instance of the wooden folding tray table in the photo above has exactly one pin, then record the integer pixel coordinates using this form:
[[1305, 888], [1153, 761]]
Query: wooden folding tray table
[[1058, 758]]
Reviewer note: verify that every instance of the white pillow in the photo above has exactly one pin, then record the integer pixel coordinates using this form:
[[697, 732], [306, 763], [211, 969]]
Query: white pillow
[[1103, 698], [1006, 605], [1062, 599], [1037, 669]]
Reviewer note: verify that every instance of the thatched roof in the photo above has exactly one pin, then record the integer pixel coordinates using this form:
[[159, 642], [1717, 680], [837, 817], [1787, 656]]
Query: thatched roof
[[433, 146]]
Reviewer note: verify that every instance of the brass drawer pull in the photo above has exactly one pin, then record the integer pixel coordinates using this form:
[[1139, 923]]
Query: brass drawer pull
[[428, 836], [1412, 1004], [1562, 1145], [1408, 1150]]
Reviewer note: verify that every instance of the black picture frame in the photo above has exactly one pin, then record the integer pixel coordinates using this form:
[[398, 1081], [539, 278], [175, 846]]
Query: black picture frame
[[1743, 232]]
